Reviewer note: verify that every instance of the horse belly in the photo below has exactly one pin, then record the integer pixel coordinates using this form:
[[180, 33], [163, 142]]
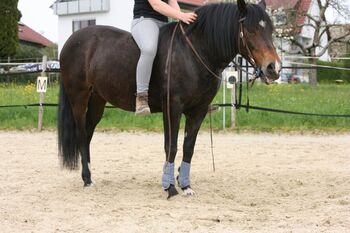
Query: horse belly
[[114, 75]]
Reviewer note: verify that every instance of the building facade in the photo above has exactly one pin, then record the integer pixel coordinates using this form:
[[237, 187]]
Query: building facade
[[76, 14], [289, 17]]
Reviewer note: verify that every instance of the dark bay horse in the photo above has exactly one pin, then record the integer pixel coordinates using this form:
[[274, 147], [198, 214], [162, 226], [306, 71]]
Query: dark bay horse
[[98, 65]]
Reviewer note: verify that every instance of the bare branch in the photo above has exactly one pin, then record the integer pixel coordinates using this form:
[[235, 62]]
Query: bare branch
[[313, 46], [300, 45], [321, 28], [332, 41], [340, 38], [325, 30], [306, 24], [340, 8], [317, 21]]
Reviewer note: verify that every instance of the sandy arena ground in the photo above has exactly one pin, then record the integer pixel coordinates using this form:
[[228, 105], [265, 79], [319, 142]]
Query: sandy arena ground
[[263, 183]]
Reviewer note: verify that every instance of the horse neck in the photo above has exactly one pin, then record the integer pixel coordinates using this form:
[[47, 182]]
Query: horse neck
[[212, 60]]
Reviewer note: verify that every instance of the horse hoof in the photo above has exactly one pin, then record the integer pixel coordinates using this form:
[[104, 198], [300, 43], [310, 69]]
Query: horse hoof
[[188, 192], [171, 191], [86, 185]]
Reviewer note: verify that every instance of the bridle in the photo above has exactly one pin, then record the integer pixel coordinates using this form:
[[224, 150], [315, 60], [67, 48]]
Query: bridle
[[241, 37], [257, 69]]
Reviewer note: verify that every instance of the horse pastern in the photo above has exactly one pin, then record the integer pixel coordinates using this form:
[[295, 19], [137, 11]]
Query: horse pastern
[[89, 184], [171, 192]]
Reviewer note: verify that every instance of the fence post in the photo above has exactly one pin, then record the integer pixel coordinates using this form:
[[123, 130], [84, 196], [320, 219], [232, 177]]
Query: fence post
[[233, 108], [223, 76], [42, 96]]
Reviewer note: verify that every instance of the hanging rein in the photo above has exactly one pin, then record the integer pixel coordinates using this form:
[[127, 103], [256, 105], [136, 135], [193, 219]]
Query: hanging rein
[[257, 71]]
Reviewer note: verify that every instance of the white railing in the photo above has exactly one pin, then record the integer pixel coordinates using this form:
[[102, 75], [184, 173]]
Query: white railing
[[80, 6]]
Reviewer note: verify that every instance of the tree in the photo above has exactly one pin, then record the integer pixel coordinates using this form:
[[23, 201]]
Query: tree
[[9, 17], [321, 26], [346, 73]]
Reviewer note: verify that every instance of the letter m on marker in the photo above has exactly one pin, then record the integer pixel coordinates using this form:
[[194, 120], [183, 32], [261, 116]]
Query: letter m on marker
[[41, 84]]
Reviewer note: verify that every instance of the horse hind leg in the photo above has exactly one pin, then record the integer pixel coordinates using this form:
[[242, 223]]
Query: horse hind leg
[[93, 116], [79, 102]]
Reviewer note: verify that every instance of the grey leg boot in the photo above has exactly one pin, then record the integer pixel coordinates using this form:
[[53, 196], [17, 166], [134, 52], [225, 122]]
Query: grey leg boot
[[142, 108]]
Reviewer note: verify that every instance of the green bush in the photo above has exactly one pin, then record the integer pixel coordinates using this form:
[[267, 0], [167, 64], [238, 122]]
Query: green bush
[[34, 54], [325, 75]]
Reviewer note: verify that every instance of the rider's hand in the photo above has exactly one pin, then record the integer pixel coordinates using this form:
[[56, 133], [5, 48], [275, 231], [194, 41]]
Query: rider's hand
[[188, 17]]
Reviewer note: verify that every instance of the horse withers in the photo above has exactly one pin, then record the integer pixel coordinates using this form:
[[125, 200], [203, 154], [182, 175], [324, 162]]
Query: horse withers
[[98, 65]]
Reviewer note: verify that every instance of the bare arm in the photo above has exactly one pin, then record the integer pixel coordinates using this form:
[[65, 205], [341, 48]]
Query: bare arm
[[168, 10], [174, 4]]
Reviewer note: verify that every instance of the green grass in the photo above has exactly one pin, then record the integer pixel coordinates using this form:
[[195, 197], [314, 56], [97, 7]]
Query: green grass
[[328, 99]]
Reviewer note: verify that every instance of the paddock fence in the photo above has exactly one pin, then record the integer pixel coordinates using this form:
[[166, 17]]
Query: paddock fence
[[234, 80]]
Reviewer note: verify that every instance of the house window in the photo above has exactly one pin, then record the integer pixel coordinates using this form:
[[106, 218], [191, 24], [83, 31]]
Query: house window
[[79, 24]]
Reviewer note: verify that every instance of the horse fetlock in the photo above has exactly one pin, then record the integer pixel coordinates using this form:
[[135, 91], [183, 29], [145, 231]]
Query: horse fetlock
[[86, 176]]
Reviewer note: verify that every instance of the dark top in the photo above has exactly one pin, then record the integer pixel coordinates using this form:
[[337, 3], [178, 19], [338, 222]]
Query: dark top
[[143, 8]]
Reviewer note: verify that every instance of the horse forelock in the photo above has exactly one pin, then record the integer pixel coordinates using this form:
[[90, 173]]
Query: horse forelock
[[255, 16]]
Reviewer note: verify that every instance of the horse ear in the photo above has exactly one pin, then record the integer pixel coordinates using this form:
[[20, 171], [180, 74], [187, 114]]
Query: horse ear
[[262, 4], [242, 7]]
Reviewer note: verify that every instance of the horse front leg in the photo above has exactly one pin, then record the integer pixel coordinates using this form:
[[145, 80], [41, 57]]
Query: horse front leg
[[171, 130], [193, 123]]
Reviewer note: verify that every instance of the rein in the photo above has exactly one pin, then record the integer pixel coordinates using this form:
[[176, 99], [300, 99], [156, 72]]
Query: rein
[[257, 73], [168, 72], [257, 70]]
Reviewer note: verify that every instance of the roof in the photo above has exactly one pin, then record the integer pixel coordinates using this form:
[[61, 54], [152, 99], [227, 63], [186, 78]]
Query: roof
[[303, 8], [276, 4], [27, 34]]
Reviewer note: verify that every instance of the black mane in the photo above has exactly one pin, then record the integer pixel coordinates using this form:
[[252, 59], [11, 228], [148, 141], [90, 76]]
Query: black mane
[[218, 24]]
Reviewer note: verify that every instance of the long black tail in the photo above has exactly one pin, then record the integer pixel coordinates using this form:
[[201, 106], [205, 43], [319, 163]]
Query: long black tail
[[67, 140]]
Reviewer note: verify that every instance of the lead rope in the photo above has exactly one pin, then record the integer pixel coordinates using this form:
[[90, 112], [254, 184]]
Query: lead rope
[[168, 72], [211, 142], [252, 61]]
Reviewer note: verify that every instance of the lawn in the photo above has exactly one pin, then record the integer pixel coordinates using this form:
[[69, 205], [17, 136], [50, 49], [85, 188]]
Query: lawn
[[325, 98]]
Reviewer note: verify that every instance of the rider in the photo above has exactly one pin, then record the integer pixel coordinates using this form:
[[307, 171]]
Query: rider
[[149, 16]]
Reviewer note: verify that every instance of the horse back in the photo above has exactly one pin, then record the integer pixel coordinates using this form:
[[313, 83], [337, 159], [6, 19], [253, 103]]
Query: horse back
[[104, 59]]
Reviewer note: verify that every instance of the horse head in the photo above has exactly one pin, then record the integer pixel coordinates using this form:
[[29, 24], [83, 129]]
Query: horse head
[[256, 43]]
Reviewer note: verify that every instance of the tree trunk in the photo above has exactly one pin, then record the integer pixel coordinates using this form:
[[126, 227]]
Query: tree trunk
[[313, 73]]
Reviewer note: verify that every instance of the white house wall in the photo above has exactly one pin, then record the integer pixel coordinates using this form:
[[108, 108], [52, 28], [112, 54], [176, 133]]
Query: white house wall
[[120, 16], [308, 31]]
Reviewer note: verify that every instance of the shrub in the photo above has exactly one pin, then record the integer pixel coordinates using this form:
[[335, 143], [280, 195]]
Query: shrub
[[325, 75]]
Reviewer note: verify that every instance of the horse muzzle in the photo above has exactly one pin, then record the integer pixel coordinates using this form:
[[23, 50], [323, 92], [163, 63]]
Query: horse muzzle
[[271, 72]]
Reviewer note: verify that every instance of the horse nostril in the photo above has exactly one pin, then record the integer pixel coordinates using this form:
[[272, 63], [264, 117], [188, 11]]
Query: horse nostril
[[271, 67]]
